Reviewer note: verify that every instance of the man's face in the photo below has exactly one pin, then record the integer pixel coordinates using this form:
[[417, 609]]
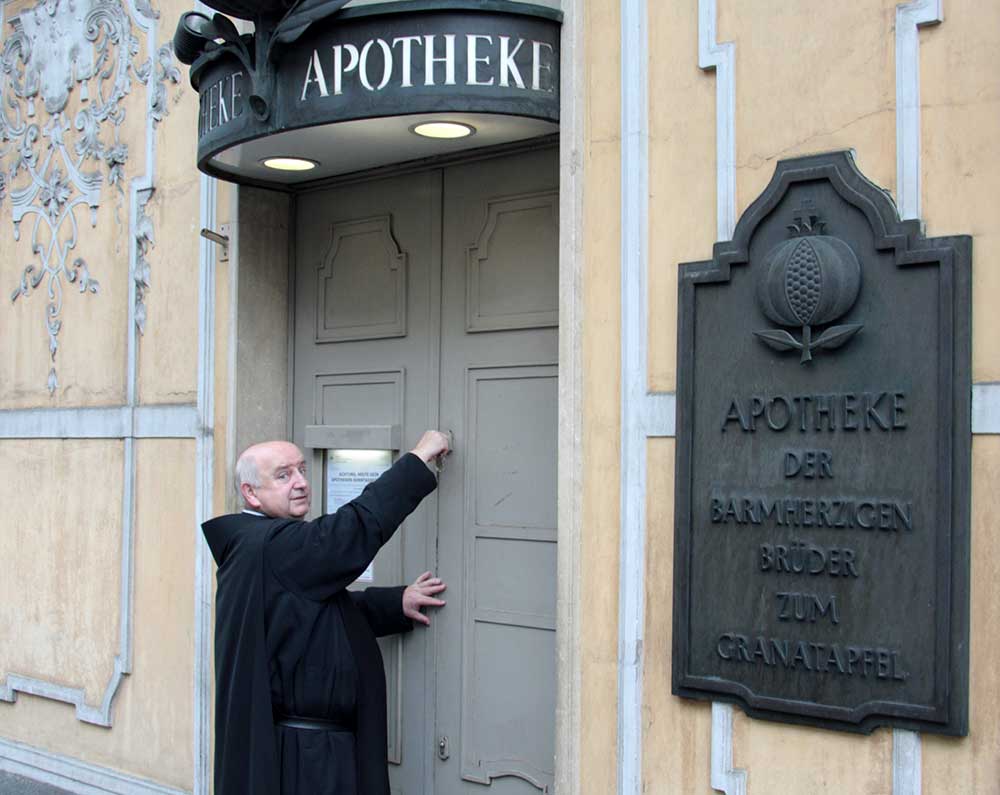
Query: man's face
[[284, 489]]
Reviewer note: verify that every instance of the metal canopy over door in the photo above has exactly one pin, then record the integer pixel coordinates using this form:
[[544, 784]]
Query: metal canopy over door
[[431, 299]]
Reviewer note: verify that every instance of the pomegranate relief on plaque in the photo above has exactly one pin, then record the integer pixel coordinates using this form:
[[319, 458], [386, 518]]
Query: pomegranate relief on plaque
[[809, 280]]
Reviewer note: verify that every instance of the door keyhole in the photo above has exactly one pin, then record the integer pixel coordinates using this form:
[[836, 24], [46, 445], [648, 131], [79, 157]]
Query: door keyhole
[[443, 748]]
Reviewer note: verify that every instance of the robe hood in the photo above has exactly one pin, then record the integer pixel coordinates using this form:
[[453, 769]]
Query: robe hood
[[223, 532]]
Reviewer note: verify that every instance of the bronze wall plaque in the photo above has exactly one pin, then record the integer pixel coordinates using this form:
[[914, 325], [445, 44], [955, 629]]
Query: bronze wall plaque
[[823, 457]]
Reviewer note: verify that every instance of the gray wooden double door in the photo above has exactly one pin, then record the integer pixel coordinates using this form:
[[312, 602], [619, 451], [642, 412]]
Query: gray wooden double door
[[431, 300]]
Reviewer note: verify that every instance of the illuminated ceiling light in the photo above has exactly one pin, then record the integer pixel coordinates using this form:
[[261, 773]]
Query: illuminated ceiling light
[[289, 163], [443, 129]]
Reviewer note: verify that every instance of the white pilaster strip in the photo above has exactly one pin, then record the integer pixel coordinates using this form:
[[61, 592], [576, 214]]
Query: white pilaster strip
[[724, 778], [123, 660], [909, 18], [634, 226], [203, 489], [140, 191], [986, 408], [232, 337], [721, 56], [96, 423], [204, 453], [572, 146], [165, 421], [660, 415], [906, 776], [74, 775], [713, 55]]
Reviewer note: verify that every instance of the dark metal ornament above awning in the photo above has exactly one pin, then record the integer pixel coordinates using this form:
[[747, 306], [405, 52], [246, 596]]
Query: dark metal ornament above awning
[[344, 86], [273, 9]]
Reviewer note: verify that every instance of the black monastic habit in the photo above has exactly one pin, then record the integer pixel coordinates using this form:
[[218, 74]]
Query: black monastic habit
[[290, 639]]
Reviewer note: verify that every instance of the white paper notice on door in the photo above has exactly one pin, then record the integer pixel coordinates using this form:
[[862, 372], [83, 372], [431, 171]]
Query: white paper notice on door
[[347, 474]]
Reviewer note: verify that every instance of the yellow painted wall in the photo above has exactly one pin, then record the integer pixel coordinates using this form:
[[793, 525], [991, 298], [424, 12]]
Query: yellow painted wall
[[152, 732], [62, 547], [809, 78], [60, 596], [682, 226], [168, 356], [960, 95], [601, 378], [675, 731], [972, 764]]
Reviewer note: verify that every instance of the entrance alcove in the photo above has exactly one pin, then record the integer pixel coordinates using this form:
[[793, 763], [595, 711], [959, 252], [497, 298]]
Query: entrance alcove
[[413, 282], [453, 344]]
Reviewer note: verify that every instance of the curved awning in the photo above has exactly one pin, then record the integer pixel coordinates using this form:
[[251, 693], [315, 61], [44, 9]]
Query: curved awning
[[345, 88]]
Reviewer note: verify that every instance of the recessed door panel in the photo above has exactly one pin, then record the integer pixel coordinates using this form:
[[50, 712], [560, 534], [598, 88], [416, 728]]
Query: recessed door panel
[[513, 269], [368, 398], [510, 681], [508, 670], [361, 287], [511, 411], [497, 527]]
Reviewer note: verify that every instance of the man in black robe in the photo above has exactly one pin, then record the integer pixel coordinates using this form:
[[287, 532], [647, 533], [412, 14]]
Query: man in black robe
[[300, 684]]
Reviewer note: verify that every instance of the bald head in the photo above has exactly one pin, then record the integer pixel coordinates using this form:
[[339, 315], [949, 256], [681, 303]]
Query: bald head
[[271, 478]]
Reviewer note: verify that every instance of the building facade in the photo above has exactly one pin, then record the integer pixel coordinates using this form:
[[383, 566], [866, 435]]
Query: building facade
[[520, 291]]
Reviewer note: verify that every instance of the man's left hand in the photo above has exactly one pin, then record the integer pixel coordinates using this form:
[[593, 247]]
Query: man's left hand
[[421, 594]]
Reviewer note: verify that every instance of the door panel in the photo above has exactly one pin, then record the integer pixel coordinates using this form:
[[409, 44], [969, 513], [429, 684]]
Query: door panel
[[364, 398], [431, 300], [497, 526], [508, 651], [361, 288], [506, 287], [366, 347], [511, 409]]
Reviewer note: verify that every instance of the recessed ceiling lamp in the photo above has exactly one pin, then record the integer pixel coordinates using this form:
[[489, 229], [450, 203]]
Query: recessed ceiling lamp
[[289, 163], [443, 129]]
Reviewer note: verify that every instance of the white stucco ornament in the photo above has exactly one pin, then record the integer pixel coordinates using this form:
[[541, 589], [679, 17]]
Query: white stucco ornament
[[53, 159], [60, 51]]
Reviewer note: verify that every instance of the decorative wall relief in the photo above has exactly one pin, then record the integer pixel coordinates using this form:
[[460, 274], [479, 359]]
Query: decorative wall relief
[[810, 279], [54, 161]]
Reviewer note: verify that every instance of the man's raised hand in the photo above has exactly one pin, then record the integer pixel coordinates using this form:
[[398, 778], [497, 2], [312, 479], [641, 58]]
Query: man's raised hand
[[432, 445]]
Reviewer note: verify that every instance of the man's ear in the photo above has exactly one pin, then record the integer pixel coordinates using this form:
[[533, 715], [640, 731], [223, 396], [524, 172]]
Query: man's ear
[[249, 497]]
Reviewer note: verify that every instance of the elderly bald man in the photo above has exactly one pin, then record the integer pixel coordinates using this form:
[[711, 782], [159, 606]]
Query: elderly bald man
[[300, 684]]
